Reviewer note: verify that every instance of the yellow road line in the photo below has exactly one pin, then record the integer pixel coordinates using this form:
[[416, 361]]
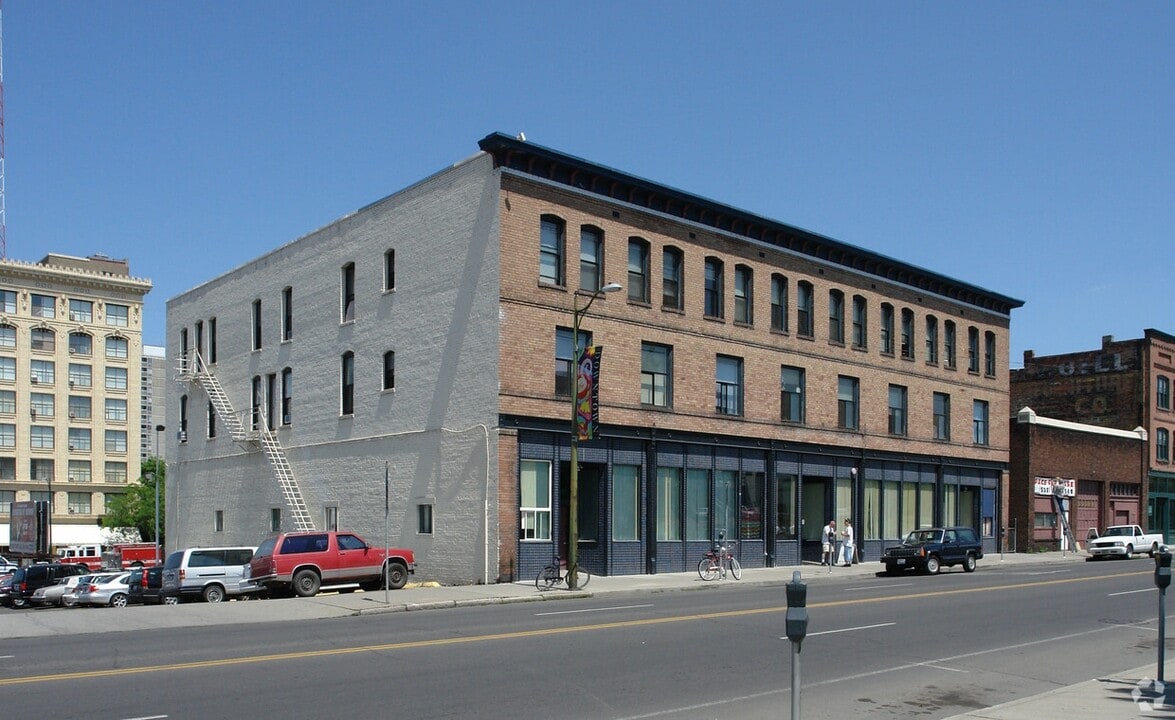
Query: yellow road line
[[520, 634]]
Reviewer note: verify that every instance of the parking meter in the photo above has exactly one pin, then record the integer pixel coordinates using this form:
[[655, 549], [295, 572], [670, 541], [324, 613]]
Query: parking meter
[[1163, 568], [797, 611]]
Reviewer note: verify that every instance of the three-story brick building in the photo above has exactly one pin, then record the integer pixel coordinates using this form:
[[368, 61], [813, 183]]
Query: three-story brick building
[[756, 379]]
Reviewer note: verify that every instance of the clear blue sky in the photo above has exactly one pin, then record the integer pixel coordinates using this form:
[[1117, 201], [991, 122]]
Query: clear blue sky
[[1025, 147]]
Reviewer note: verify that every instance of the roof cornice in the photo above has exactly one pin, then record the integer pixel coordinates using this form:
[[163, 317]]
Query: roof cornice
[[551, 165]]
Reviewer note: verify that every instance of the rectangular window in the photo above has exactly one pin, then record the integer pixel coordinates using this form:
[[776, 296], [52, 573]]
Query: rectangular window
[[41, 437], [836, 317], [287, 314], [697, 504], [7, 470], [713, 288], [275, 519], [729, 385], [79, 375], [7, 368], [1163, 392], [43, 371], [330, 517], [218, 521], [79, 407], [347, 380], [79, 503], [79, 439], [973, 349], [389, 270], [257, 324], [270, 400], [989, 353], [638, 270], [847, 402], [8, 301], [981, 422], [211, 424], [287, 395], [591, 258], [116, 378], [43, 306], [81, 311], [534, 505], [1162, 445], [791, 394], [7, 497], [671, 270], [116, 441], [117, 315], [212, 341], [804, 309], [948, 344], [931, 340], [8, 336], [41, 470], [115, 473], [348, 293], [424, 518], [860, 322], [551, 251], [7, 401], [565, 359], [897, 410], [656, 375], [626, 502], [744, 293], [41, 405], [668, 504], [7, 435], [389, 370], [751, 491], [942, 416], [255, 416], [778, 303]]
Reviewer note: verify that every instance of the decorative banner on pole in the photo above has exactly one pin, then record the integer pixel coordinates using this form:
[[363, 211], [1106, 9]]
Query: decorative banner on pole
[[587, 393]]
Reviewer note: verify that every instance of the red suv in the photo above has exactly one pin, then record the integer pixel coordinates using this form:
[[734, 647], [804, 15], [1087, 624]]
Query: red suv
[[306, 561]]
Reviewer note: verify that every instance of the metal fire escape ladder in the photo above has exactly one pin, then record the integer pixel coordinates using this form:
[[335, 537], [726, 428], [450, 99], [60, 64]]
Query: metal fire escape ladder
[[193, 369]]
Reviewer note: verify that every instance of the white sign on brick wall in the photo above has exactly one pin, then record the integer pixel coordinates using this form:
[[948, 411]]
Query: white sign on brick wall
[[1048, 486]]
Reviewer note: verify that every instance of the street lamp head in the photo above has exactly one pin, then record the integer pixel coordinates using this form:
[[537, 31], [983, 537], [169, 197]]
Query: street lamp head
[[159, 428], [611, 287]]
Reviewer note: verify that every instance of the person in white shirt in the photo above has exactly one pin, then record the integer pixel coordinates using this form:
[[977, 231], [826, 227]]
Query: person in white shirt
[[828, 544], [847, 544]]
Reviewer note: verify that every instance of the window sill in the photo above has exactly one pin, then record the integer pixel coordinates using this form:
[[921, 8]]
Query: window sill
[[809, 338], [714, 318], [672, 310], [639, 303], [836, 343]]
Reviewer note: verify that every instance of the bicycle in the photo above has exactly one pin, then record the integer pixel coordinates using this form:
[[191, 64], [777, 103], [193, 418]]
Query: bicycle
[[716, 562], [553, 574]]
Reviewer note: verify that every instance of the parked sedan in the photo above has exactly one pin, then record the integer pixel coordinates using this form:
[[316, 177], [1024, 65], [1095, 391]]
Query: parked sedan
[[52, 594], [110, 589]]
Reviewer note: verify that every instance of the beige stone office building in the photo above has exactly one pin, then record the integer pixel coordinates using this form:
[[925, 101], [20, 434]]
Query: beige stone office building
[[70, 353]]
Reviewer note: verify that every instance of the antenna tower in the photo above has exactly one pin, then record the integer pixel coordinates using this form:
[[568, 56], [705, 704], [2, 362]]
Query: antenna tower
[[3, 231]]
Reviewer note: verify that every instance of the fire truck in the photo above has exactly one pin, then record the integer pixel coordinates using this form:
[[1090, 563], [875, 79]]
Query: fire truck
[[124, 556], [88, 555]]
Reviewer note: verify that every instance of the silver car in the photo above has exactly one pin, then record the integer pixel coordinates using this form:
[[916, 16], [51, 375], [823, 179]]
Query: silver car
[[109, 589]]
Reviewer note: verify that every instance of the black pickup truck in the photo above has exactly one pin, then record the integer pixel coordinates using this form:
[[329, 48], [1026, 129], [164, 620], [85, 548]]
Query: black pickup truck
[[930, 549]]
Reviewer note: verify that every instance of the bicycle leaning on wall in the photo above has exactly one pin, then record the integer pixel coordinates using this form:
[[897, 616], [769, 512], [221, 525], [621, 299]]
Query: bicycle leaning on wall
[[556, 573], [715, 563]]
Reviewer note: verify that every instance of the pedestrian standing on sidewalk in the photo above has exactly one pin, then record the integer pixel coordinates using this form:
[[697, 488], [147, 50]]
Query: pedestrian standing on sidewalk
[[828, 544], [847, 545]]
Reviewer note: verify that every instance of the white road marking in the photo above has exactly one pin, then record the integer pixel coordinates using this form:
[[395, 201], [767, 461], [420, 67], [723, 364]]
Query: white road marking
[[1130, 592], [879, 585], [851, 629], [589, 610]]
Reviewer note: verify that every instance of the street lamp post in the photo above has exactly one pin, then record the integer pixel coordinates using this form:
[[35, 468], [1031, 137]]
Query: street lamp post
[[573, 510], [158, 429]]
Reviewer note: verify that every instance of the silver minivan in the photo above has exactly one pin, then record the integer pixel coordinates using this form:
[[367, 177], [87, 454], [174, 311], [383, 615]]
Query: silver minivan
[[214, 574]]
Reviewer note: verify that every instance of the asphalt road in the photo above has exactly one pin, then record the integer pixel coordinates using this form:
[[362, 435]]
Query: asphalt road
[[880, 647]]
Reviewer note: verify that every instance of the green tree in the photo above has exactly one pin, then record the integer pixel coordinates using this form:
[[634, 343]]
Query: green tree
[[136, 507]]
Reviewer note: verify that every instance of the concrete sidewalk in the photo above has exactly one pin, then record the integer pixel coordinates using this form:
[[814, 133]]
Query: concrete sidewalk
[[1120, 695]]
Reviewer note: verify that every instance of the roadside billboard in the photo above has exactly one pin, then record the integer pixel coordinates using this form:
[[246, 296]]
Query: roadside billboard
[[28, 529]]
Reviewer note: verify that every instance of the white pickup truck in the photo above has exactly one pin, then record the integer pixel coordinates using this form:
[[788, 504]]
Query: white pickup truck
[[1124, 541]]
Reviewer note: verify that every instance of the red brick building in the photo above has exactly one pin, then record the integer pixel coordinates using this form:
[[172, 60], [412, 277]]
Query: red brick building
[[1099, 470], [1123, 385]]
